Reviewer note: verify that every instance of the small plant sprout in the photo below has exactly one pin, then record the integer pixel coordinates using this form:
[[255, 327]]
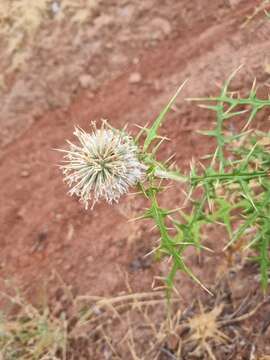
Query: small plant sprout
[[104, 164]]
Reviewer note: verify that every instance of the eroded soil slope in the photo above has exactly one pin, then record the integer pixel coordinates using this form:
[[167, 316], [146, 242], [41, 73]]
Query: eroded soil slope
[[122, 65]]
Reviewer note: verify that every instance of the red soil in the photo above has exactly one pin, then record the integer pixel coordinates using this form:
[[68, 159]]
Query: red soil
[[42, 229]]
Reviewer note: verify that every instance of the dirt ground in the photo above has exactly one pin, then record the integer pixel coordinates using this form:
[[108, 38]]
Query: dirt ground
[[122, 62]]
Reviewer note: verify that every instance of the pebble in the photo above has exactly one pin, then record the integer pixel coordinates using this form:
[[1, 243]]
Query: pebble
[[68, 267], [90, 259], [86, 81], [118, 59], [55, 6], [25, 173], [90, 95], [135, 78], [140, 263], [109, 45], [58, 216], [159, 28], [233, 3], [104, 21], [126, 13], [135, 61]]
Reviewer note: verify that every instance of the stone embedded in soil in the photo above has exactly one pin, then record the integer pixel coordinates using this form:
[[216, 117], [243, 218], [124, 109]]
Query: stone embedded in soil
[[25, 173], [67, 267], [55, 7], [90, 95], [159, 28], [90, 259], [118, 60], [140, 263], [135, 61], [87, 81], [233, 3], [127, 12], [135, 78], [104, 21]]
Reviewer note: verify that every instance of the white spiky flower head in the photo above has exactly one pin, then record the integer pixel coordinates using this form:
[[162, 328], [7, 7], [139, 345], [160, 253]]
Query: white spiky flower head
[[104, 164]]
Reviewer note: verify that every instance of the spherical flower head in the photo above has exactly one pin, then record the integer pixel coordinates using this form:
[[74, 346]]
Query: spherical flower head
[[104, 164]]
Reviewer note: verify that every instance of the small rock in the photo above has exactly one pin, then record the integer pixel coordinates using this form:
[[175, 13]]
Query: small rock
[[109, 45], [67, 267], [135, 78], [118, 59], [21, 213], [55, 6], [159, 28], [86, 81], [58, 216], [233, 3], [126, 13], [25, 173], [90, 258], [104, 21], [136, 61], [90, 95], [157, 85], [140, 264], [40, 242]]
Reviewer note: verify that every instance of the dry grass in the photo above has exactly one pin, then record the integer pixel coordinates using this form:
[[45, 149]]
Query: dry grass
[[261, 9], [29, 333], [88, 327], [136, 326], [21, 21]]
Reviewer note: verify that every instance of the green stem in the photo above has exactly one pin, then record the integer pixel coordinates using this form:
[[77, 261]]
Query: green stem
[[229, 176]]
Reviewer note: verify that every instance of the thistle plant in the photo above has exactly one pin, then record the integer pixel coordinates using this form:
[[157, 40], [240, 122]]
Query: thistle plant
[[233, 181], [104, 164]]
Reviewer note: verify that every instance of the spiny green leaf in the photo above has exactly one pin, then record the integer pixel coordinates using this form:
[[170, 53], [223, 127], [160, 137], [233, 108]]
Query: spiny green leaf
[[152, 132]]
